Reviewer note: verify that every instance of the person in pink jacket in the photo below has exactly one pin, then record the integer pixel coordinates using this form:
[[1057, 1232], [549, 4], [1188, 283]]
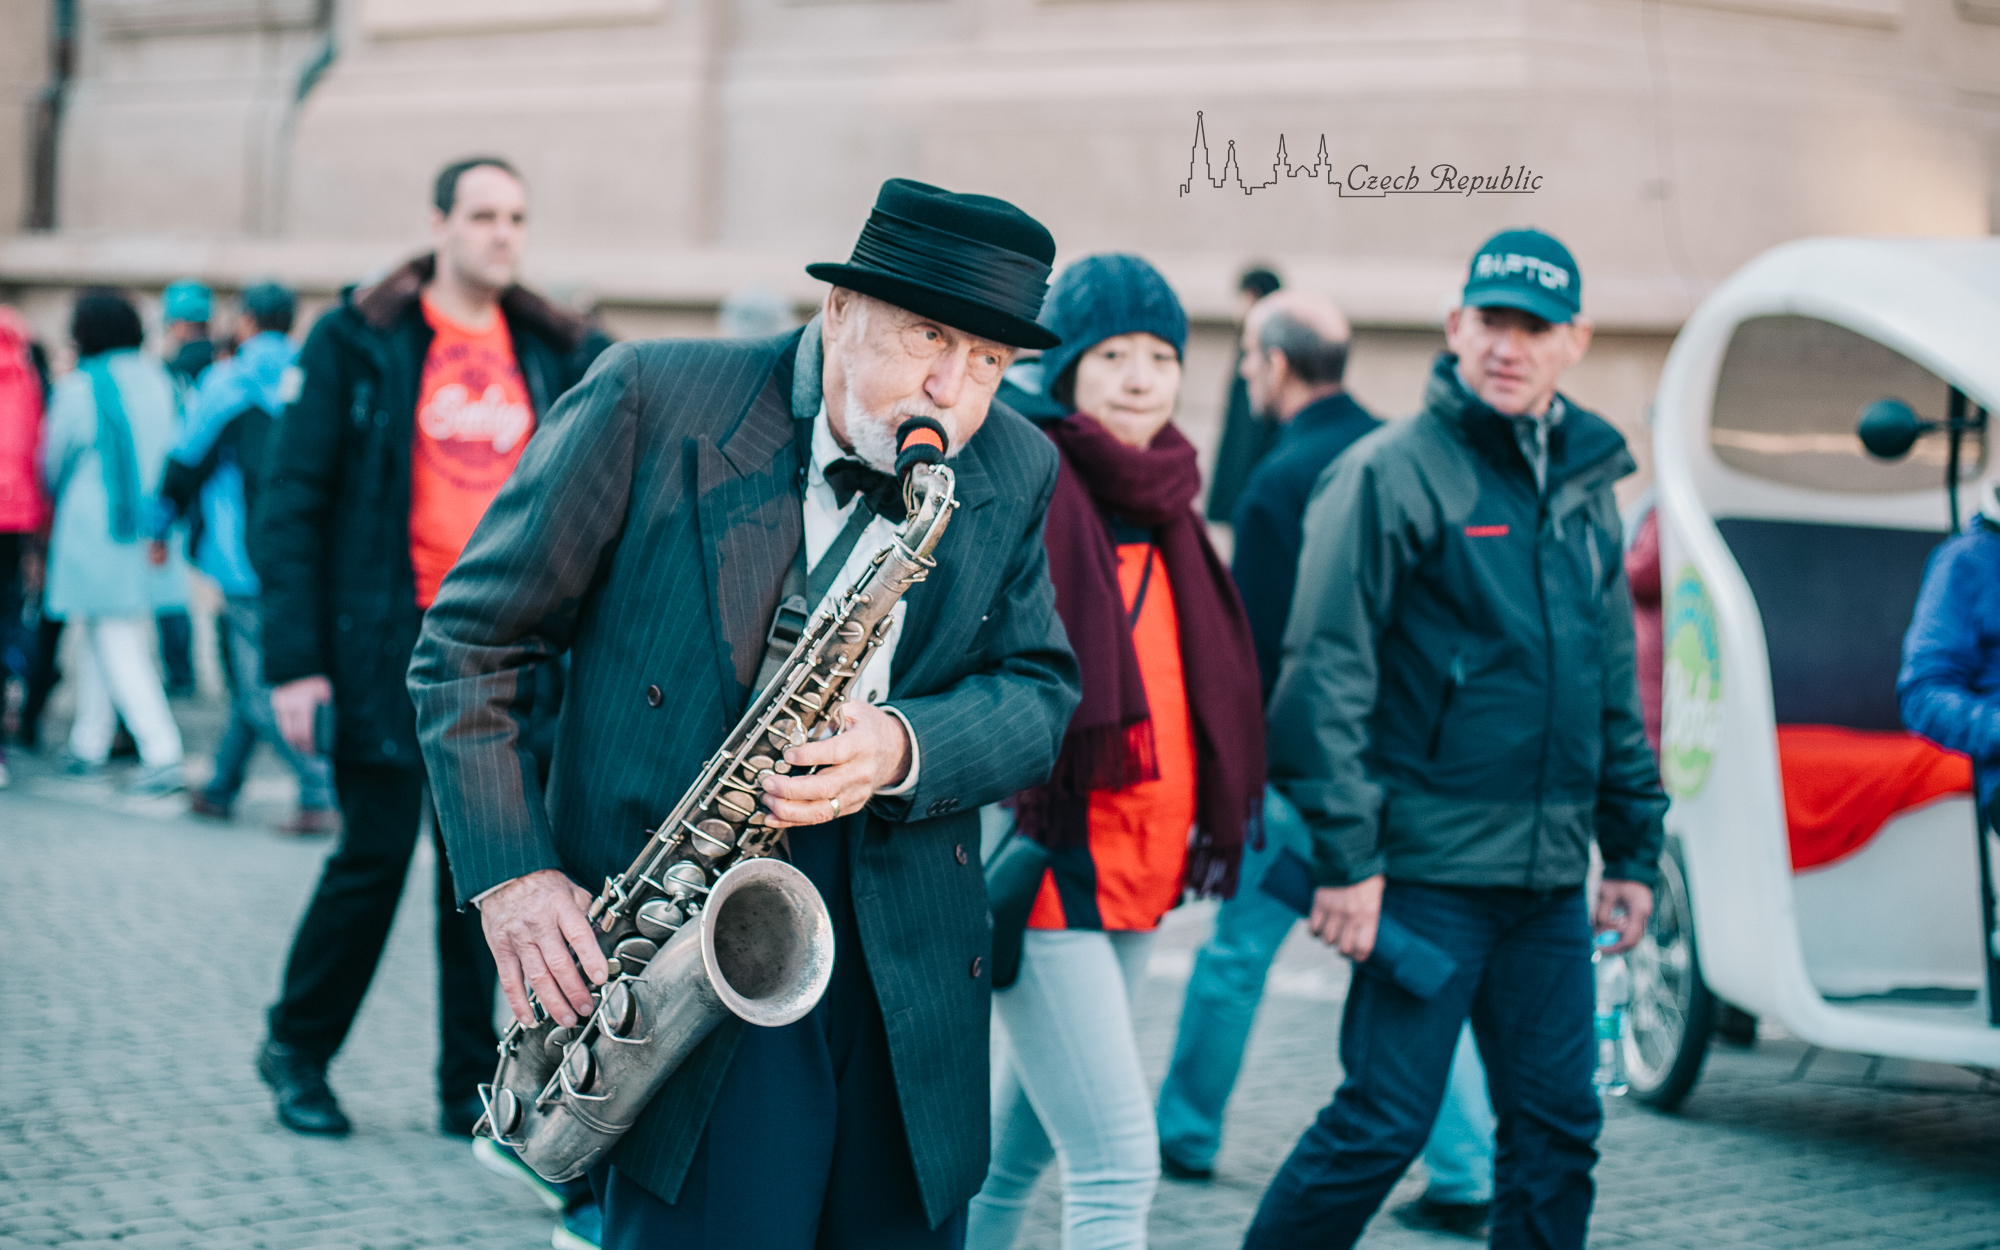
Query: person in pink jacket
[[23, 506]]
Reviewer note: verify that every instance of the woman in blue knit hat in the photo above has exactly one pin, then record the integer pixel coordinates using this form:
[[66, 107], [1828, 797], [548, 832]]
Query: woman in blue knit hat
[[1159, 773]]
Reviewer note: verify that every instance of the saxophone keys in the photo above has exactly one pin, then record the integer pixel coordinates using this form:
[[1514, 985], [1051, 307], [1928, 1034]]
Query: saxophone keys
[[579, 1069], [686, 879], [558, 1040], [503, 1111], [636, 952], [619, 1010], [714, 837], [658, 918]]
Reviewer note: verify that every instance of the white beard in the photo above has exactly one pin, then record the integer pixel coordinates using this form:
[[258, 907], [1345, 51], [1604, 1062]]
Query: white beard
[[873, 435]]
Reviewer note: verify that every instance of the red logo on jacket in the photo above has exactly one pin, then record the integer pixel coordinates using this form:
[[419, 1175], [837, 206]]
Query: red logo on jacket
[[1486, 531]]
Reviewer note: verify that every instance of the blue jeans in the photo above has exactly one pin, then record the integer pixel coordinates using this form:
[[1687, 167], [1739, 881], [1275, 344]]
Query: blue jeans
[[251, 718], [1221, 1004], [1067, 1080], [1459, 1154], [1524, 979]]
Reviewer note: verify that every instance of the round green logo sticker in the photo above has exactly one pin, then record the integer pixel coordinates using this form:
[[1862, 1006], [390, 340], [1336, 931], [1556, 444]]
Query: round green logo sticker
[[1691, 718]]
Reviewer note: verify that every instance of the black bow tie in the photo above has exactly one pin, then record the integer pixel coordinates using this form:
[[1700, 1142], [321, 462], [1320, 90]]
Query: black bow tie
[[883, 491]]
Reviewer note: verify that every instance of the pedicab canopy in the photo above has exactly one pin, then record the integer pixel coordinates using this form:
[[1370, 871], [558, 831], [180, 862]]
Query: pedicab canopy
[[1791, 561]]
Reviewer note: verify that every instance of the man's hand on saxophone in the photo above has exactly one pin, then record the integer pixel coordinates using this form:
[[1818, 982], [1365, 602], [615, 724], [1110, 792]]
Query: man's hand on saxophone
[[871, 753], [539, 935]]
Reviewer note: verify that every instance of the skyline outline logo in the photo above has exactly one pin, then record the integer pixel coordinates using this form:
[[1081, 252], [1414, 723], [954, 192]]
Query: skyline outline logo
[[1359, 182]]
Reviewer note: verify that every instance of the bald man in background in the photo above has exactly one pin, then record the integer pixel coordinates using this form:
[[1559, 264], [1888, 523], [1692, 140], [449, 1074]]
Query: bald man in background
[[1294, 359]]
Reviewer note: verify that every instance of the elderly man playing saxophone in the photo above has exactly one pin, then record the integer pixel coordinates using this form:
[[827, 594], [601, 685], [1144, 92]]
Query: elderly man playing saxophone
[[648, 533]]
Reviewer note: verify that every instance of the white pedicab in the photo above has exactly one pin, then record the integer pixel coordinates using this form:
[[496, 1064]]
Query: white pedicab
[[1790, 565]]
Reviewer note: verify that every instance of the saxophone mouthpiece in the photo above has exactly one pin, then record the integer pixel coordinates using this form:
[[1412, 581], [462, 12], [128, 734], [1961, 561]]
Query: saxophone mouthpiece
[[920, 440]]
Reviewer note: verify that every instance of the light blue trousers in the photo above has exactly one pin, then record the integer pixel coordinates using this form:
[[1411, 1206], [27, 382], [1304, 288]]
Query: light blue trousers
[[1067, 1085], [1221, 1005]]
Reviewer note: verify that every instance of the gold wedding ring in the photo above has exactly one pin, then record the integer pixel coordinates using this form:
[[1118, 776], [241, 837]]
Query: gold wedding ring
[[836, 806]]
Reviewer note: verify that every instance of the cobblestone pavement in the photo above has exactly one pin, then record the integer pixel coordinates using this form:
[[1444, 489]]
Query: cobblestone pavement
[[142, 946]]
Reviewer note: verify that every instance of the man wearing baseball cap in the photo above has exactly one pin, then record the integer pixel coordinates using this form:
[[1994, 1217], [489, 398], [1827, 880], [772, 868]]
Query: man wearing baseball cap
[[1456, 718]]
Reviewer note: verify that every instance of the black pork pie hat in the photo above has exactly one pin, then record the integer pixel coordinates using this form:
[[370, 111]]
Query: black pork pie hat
[[976, 263]]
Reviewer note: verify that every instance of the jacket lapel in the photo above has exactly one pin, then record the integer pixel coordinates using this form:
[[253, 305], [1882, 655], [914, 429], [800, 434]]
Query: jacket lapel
[[751, 527], [937, 601]]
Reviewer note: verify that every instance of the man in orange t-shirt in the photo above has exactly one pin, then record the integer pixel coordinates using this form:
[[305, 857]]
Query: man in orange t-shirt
[[473, 422], [418, 394]]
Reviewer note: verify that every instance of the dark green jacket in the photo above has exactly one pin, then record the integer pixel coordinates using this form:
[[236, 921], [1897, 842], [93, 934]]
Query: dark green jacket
[[1458, 702]]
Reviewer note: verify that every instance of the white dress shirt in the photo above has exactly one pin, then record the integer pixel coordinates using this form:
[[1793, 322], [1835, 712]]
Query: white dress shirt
[[824, 520]]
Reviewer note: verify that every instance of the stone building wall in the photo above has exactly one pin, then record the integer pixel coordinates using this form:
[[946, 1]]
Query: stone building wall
[[678, 148]]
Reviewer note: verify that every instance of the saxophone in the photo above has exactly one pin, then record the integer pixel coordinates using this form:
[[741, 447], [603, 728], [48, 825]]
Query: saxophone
[[705, 920]]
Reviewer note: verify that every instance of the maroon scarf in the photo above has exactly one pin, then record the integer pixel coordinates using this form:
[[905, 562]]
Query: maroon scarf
[[1109, 744]]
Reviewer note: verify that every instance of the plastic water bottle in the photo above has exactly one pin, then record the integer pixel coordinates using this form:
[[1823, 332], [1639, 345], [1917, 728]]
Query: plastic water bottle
[[1614, 997]]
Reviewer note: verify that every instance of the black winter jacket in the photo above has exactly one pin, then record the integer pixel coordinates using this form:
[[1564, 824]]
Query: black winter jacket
[[330, 539], [1458, 702]]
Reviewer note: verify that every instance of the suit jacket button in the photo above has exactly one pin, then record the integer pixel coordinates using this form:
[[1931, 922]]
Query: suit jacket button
[[958, 852], [977, 965], [653, 696]]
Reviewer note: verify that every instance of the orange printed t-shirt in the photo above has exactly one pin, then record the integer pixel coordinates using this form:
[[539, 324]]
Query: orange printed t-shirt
[[1138, 835], [473, 420]]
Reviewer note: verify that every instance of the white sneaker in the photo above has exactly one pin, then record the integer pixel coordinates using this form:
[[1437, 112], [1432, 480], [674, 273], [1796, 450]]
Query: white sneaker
[[163, 779], [502, 1161]]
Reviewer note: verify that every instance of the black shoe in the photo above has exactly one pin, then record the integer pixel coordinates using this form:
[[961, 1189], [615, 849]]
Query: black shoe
[[1459, 1219], [305, 1104], [460, 1114], [1174, 1169]]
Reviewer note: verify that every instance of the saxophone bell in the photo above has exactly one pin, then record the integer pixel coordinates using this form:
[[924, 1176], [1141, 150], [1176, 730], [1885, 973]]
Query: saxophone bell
[[761, 948]]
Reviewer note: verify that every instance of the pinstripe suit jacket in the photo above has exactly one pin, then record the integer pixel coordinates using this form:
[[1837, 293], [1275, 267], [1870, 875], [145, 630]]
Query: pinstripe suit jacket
[[647, 531]]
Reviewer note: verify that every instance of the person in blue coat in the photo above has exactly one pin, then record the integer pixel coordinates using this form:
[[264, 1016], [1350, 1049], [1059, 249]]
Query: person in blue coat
[[109, 426], [212, 472], [1949, 688]]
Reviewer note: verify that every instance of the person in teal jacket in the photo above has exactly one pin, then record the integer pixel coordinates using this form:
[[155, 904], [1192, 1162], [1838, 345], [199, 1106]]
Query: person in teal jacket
[[109, 425], [213, 472]]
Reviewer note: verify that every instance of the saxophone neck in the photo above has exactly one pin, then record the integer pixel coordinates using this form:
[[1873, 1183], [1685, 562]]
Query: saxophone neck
[[929, 495]]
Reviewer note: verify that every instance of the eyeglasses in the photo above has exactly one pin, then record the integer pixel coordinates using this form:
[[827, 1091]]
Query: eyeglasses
[[923, 340]]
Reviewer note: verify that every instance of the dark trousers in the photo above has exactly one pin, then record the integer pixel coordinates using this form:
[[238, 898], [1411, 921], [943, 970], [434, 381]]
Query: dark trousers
[[176, 649], [804, 1147], [43, 676], [1525, 979], [16, 643], [340, 940]]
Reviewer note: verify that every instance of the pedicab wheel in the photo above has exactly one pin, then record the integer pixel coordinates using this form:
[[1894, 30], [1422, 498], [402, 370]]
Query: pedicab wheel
[[1672, 1010]]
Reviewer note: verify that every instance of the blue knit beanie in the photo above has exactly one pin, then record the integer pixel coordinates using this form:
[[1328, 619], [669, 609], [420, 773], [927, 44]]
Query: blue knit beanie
[[1100, 297]]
